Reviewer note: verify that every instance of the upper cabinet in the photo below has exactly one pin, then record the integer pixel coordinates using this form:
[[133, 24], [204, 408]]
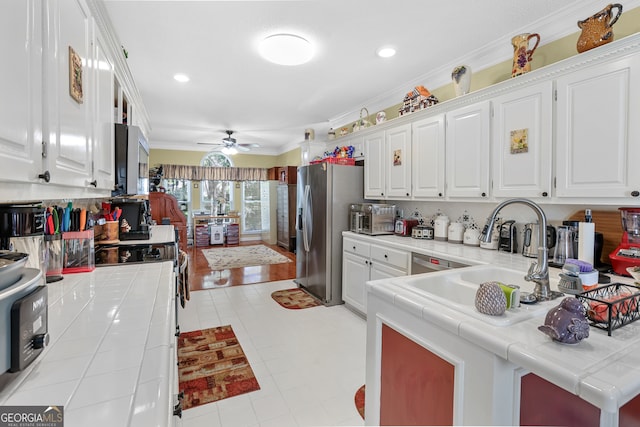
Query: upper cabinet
[[427, 157], [598, 131], [21, 88], [68, 83], [521, 142], [374, 171], [467, 151], [57, 134], [398, 161]]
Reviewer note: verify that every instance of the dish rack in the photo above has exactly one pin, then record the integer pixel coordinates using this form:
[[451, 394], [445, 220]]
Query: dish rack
[[612, 306]]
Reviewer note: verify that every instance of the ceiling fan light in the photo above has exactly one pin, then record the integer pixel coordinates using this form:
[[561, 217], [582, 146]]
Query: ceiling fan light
[[229, 150], [286, 49], [386, 52]]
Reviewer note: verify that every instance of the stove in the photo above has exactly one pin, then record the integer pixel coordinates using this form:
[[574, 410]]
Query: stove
[[135, 253]]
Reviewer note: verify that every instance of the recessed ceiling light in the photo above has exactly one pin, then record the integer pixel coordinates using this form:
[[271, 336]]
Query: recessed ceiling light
[[286, 49], [386, 52], [182, 78]]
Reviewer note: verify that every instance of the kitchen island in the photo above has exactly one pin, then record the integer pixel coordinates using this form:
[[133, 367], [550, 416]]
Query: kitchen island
[[428, 363], [111, 356]]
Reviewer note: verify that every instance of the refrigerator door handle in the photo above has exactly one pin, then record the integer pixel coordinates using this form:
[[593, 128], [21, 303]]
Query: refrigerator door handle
[[305, 225]]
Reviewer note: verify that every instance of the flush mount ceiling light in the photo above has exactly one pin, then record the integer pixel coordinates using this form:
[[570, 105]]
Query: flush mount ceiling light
[[386, 52], [286, 49], [182, 78]]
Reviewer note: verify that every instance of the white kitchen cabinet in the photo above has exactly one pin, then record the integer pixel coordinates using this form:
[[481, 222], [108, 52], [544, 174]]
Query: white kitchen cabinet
[[103, 150], [21, 88], [428, 158], [68, 121], [598, 131], [522, 142], [374, 173], [361, 262], [467, 151], [398, 162]]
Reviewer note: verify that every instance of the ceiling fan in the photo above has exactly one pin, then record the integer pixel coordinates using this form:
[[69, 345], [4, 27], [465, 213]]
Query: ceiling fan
[[230, 145]]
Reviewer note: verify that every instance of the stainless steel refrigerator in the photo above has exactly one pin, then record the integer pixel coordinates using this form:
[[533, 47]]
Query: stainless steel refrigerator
[[324, 192]]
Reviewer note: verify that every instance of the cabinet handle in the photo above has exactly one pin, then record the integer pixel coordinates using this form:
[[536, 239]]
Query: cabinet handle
[[407, 194], [46, 176], [367, 262], [545, 194], [94, 183], [385, 256], [439, 194], [635, 193], [484, 194], [354, 248]]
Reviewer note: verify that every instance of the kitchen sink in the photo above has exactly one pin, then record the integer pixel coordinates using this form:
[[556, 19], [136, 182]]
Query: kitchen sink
[[457, 288]]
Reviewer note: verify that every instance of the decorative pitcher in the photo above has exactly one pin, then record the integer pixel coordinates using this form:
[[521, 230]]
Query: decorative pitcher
[[596, 30], [522, 54]]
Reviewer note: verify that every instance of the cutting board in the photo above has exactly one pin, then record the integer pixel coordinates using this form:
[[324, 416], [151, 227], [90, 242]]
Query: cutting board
[[608, 223]]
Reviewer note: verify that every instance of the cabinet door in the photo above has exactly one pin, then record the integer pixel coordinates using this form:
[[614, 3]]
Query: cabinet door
[[427, 157], [21, 88], [521, 143], [382, 271], [467, 151], [103, 142], [398, 162], [374, 172], [355, 272], [68, 119], [358, 147], [598, 130]]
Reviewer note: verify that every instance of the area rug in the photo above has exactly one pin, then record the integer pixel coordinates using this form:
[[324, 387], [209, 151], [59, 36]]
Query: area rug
[[212, 366], [294, 299], [359, 401], [242, 256]]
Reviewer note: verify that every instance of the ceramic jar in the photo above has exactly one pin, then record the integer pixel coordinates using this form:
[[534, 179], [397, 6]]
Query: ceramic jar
[[455, 232], [440, 228], [461, 77], [472, 236], [596, 30], [522, 54]]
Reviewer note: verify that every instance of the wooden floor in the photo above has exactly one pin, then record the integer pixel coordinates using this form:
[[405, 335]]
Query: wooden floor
[[202, 277]]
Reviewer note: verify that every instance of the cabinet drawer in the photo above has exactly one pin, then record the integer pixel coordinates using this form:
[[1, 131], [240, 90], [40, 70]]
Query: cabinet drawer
[[394, 257], [356, 247]]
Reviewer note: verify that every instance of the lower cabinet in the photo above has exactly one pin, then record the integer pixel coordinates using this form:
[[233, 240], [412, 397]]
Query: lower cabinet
[[416, 385], [363, 261]]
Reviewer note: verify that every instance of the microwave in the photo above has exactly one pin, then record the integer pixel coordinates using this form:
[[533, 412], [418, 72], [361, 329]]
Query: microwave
[[131, 161], [372, 218]]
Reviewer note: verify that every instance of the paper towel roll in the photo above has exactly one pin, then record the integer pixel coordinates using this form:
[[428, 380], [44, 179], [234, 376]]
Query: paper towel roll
[[586, 241]]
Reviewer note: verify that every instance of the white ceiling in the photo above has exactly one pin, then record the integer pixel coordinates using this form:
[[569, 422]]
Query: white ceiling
[[232, 87]]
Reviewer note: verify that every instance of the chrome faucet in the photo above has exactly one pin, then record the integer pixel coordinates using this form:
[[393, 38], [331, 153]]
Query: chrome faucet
[[539, 270]]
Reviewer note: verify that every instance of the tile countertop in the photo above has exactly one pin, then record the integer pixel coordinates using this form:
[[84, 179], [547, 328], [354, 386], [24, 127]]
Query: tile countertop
[[111, 345], [603, 370]]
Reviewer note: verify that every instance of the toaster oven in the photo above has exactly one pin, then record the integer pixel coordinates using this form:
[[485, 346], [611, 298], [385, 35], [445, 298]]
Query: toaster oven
[[372, 218]]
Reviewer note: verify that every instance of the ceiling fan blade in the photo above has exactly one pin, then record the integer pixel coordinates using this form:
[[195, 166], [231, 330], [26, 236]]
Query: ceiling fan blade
[[242, 147]]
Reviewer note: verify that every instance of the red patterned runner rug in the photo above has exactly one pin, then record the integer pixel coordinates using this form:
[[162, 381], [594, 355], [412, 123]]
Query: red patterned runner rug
[[294, 299], [359, 401], [212, 366]]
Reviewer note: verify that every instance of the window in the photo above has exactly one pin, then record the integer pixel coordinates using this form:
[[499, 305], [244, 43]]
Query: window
[[217, 196], [255, 206]]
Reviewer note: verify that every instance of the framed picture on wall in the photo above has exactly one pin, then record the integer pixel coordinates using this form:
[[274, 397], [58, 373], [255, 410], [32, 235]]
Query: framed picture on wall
[[75, 75]]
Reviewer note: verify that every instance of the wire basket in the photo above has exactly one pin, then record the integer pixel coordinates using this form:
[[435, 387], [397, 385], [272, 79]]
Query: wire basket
[[612, 306]]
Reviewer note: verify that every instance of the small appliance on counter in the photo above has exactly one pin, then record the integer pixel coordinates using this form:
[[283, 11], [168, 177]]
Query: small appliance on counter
[[508, 239], [530, 242], [422, 232], [23, 313], [627, 254], [137, 214], [404, 227], [22, 230], [372, 218]]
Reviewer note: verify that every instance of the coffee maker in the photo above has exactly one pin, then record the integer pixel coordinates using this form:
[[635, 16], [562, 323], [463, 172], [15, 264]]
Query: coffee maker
[[627, 254], [137, 214]]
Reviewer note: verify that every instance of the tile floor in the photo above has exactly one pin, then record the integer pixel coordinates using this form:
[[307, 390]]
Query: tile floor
[[309, 363]]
